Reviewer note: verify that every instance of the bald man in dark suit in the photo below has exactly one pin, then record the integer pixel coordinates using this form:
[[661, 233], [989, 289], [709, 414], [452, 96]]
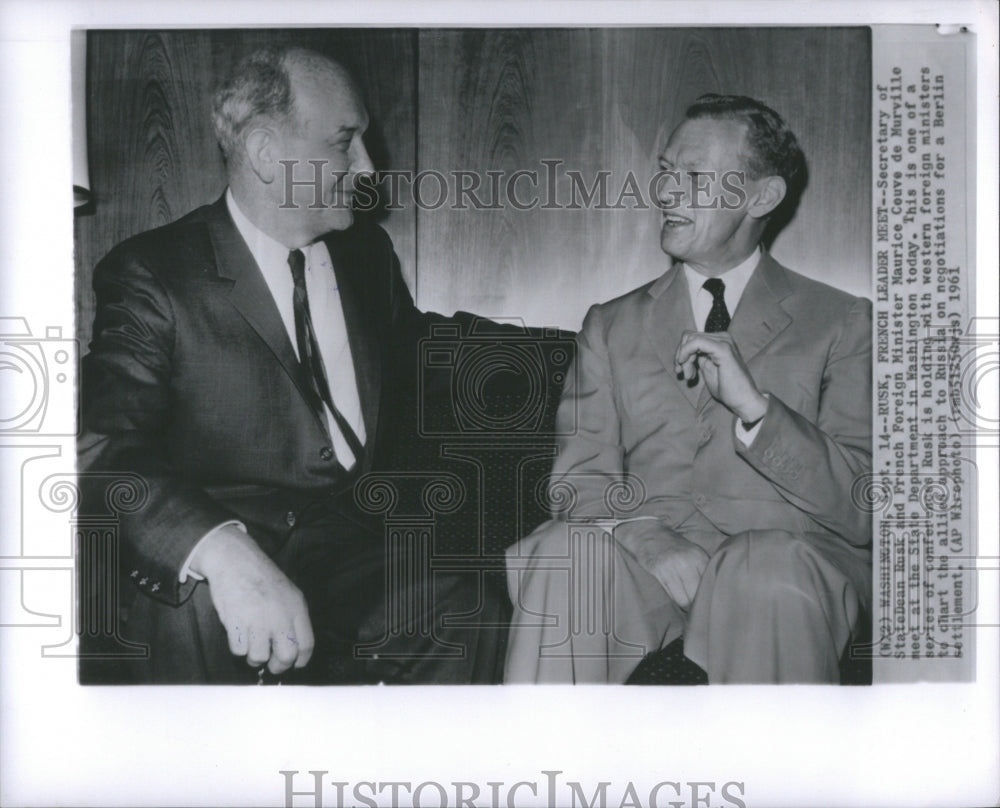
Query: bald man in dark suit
[[245, 370]]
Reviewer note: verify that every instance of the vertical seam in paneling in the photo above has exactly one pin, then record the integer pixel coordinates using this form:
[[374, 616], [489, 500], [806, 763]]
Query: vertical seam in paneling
[[416, 163]]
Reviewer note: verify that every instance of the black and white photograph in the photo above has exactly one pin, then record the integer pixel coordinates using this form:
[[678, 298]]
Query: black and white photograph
[[451, 350], [265, 431]]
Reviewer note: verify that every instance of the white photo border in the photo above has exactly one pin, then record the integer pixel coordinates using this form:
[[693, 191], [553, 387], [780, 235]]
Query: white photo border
[[69, 745]]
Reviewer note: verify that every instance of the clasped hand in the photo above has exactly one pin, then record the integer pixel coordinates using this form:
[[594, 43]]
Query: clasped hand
[[264, 613], [715, 358], [675, 562]]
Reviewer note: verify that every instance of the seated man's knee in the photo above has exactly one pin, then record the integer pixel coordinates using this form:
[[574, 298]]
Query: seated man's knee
[[550, 539], [786, 571], [767, 559], [555, 556]]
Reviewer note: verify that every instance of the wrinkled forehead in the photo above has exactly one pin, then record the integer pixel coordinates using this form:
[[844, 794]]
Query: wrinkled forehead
[[326, 96], [707, 142]]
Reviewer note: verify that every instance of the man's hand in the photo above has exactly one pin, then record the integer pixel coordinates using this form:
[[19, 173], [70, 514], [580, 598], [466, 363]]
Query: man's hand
[[717, 359], [264, 613], [666, 555]]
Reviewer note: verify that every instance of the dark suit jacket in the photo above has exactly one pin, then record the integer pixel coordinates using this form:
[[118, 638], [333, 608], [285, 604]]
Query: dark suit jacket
[[192, 388], [623, 410]]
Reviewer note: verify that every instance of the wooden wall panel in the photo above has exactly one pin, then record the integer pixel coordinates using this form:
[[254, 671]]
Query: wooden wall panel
[[500, 100], [505, 101], [606, 99], [153, 155]]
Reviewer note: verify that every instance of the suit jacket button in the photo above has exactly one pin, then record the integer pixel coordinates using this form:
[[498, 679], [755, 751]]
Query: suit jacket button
[[290, 518], [326, 453], [699, 499]]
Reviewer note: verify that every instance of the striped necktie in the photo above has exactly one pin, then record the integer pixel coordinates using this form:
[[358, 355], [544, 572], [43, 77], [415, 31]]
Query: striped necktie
[[310, 358]]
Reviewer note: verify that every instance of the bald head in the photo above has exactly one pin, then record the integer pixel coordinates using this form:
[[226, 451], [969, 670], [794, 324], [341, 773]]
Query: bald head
[[291, 124], [263, 91]]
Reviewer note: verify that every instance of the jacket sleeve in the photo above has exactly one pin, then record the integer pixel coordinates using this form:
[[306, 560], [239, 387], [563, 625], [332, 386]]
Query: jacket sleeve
[[588, 471], [815, 465], [125, 408]]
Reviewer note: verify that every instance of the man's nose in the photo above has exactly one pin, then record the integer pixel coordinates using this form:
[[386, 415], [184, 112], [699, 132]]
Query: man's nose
[[669, 191], [362, 162]]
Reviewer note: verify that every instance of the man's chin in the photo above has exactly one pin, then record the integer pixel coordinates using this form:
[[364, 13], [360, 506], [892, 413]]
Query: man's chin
[[670, 245], [338, 219]]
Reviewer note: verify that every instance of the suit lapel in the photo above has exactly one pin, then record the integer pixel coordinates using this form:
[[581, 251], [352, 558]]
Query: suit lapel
[[759, 317], [249, 293], [362, 331], [667, 318]]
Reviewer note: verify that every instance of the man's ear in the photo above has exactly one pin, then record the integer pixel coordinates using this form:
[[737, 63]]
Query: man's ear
[[259, 145], [769, 195]]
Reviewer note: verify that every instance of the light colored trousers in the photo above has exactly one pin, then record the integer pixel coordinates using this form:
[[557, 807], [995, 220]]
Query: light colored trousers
[[772, 607]]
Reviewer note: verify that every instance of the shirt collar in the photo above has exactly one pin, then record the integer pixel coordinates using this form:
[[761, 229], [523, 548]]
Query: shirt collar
[[266, 251], [735, 279]]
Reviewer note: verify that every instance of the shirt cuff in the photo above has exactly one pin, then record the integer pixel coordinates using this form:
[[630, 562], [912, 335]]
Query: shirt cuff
[[609, 523], [186, 571], [746, 436], [646, 518]]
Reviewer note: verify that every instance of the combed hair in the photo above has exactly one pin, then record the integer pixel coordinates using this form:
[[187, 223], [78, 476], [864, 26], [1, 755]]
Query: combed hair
[[259, 90], [773, 148]]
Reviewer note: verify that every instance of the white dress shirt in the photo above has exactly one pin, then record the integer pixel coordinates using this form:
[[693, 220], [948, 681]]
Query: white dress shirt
[[735, 279], [327, 315]]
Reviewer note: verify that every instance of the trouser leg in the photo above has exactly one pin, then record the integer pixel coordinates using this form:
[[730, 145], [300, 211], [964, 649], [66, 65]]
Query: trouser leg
[[383, 613], [375, 615], [776, 607], [184, 644], [584, 611]]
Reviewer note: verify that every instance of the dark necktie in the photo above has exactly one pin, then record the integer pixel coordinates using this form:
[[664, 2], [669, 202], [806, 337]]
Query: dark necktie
[[718, 318], [310, 358]]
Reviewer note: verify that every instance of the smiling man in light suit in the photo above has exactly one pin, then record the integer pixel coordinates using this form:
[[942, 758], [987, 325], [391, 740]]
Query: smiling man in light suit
[[736, 395], [246, 369]]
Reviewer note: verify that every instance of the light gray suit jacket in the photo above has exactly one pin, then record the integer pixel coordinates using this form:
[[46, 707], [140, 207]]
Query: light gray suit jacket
[[623, 410]]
